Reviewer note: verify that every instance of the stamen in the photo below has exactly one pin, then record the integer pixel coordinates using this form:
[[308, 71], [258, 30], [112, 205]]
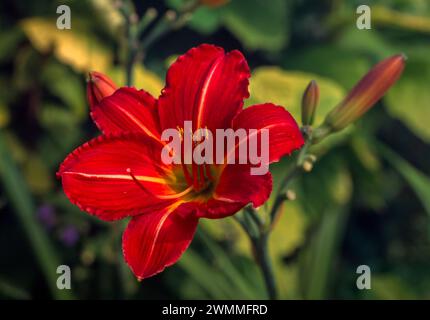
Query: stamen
[[137, 181], [181, 132], [176, 195], [166, 197]]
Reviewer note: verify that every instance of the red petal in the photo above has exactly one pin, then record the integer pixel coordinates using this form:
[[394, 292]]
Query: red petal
[[235, 189], [206, 86], [284, 133], [100, 176], [155, 241], [127, 110]]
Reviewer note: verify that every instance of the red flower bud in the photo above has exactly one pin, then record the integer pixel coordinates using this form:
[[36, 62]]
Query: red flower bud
[[310, 101], [98, 87], [366, 93]]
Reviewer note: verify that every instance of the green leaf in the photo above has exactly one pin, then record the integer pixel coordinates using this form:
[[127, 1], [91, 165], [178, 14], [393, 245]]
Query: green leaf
[[344, 65], [418, 181], [259, 24], [11, 291], [320, 256], [385, 16], [67, 87], [208, 277], [329, 184], [409, 99], [272, 84], [390, 287], [9, 41], [37, 175], [223, 260], [57, 118], [23, 206], [205, 20], [368, 42]]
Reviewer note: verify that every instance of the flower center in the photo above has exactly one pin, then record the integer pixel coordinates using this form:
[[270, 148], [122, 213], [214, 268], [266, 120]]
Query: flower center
[[197, 176]]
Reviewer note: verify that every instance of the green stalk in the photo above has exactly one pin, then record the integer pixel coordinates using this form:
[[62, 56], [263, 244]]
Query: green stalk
[[322, 252], [262, 254], [22, 203]]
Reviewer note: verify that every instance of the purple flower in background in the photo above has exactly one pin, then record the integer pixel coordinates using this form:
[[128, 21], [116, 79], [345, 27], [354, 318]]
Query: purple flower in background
[[69, 235], [46, 215]]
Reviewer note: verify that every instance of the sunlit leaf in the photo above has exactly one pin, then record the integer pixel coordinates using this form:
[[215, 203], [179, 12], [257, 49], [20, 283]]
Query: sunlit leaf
[[382, 15], [143, 79], [74, 47], [272, 84]]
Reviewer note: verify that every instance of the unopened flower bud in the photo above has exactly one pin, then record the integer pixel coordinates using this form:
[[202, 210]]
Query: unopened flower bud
[[366, 93], [310, 102], [98, 87]]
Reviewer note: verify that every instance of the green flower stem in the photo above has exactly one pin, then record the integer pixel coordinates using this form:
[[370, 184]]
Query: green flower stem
[[258, 236], [137, 46], [295, 170], [260, 239], [260, 247], [129, 12]]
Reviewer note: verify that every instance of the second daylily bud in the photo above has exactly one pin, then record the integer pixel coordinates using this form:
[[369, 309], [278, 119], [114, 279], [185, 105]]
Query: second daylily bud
[[310, 101], [98, 87], [366, 93]]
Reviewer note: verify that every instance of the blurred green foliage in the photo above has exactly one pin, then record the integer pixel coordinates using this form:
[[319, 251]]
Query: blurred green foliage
[[365, 202]]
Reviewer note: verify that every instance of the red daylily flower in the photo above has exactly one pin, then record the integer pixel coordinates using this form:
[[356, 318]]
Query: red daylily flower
[[120, 173]]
